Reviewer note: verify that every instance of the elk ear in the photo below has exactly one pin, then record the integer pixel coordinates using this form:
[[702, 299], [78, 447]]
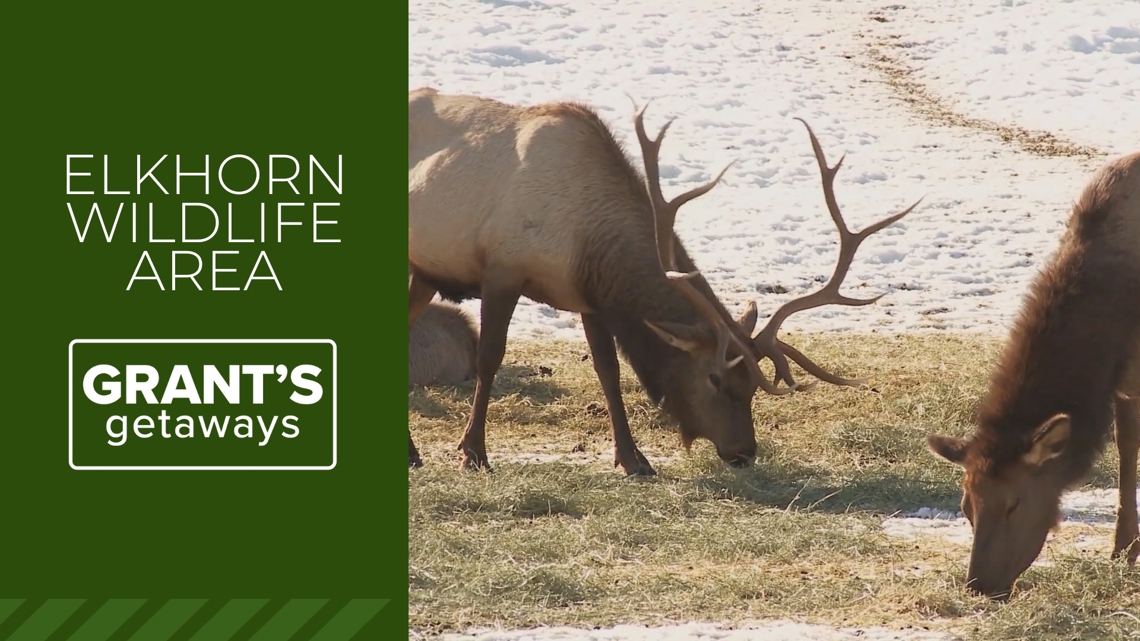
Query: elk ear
[[951, 448], [1049, 440], [747, 320], [687, 337]]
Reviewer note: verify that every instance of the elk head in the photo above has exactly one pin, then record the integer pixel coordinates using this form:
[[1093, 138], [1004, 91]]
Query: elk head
[[713, 397], [1011, 505], [725, 374]]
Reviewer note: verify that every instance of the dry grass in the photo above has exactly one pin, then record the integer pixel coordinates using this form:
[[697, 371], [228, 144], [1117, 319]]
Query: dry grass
[[556, 535]]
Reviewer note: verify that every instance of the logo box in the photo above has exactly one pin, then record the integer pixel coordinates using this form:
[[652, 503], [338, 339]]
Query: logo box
[[74, 387]]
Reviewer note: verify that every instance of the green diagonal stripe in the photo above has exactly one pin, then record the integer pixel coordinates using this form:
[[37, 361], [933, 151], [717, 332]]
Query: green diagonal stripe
[[200, 618], [77, 618], [288, 619], [107, 619], [50, 616], [168, 619], [350, 619], [229, 619], [7, 607]]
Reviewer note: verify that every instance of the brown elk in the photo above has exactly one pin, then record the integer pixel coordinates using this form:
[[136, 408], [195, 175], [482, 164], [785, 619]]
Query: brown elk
[[1071, 360], [542, 201], [441, 351]]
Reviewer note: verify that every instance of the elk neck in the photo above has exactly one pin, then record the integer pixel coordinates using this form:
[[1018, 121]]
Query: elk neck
[[1065, 354], [627, 287]]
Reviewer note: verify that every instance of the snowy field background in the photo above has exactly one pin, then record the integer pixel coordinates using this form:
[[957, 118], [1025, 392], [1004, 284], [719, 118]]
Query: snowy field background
[[734, 73]]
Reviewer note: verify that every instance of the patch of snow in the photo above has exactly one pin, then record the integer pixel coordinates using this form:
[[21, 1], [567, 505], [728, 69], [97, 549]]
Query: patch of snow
[[1094, 507], [655, 457], [1091, 506], [913, 527], [774, 630]]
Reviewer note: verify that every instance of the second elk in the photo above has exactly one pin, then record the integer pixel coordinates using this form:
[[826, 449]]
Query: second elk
[[542, 201]]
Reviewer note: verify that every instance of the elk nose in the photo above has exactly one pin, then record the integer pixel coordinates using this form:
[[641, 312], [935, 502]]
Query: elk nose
[[740, 461], [993, 591], [741, 455]]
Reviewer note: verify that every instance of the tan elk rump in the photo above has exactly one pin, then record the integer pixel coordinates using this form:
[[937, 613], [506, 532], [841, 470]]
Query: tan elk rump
[[441, 347], [441, 351], [1070, 367], [542, 201]]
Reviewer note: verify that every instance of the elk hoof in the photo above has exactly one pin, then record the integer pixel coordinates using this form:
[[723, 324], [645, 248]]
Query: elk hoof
[[414, 462], [1127, 539], [1129, 549], [639, 467], [640, 470], [475, 461]]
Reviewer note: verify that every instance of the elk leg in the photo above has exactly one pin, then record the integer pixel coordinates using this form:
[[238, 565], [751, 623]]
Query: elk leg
[[414, 459], [495, 319], [419, 296], [608, 370], [1127, 443]]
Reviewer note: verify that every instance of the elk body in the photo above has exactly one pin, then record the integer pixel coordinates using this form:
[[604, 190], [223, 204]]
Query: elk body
[[1070, 367], [441, 351], [541, 201], [441, 347]]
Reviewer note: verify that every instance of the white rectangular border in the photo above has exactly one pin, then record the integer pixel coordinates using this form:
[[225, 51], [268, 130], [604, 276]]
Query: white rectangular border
[[71, 397]]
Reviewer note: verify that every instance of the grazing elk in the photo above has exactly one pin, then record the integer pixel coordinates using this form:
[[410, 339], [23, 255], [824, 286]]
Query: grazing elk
[[1072, 359], [441, 351], [542, 201]]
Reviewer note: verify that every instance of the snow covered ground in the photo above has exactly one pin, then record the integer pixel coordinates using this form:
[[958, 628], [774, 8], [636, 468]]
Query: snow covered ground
[[735, 72], [1066, 67]]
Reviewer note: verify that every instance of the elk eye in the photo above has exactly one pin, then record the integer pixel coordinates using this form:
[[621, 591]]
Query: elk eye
[[1012, 506], [714, 380]]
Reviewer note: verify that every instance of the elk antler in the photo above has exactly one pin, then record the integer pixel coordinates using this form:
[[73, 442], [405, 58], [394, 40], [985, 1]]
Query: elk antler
[[664, 215], [766, 342]]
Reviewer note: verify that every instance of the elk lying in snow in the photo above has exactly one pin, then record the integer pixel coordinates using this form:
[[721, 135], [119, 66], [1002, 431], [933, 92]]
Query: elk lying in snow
[[441, 351], [507, 201], [1072, 358]]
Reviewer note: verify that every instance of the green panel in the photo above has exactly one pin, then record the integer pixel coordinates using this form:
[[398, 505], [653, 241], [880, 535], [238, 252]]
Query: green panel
[[136, 82]]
